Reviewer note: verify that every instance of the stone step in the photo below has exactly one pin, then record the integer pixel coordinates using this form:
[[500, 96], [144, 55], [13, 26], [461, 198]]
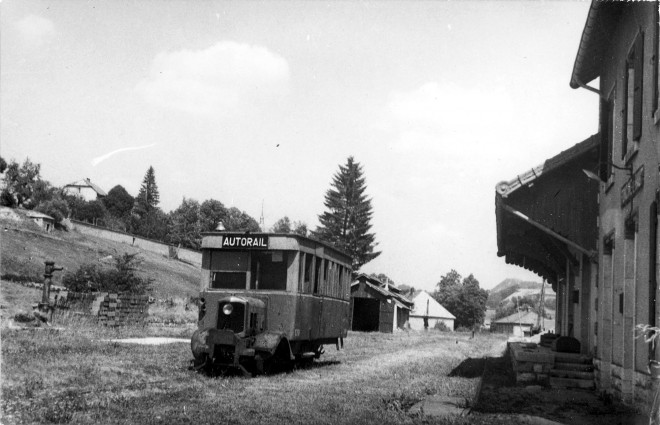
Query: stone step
[[571, 383], [573, 374], [583, 367], [572, 358]]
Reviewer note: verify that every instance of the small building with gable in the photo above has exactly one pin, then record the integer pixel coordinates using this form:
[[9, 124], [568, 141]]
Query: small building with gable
[[427, 313], [377, 306]]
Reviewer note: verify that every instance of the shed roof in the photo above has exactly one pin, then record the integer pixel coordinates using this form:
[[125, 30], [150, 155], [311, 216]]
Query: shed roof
[[37, 214], [435, 309], [542, 212], [383, 289], [524, 318]]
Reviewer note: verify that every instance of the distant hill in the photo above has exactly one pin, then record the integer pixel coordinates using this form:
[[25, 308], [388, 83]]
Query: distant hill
[[510, 288]]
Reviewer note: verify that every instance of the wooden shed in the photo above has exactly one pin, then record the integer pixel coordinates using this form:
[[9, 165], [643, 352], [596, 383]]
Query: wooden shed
[[377, 306]]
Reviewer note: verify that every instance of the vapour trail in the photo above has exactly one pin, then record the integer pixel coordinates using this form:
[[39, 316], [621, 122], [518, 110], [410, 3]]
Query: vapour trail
[[96, 161]]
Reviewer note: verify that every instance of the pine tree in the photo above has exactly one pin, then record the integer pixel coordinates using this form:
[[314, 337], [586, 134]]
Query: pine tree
[[148, 197], [345, 223]]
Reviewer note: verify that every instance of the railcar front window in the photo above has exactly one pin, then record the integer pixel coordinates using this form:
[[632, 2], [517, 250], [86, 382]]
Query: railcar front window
[[228, 269], [269, 270]]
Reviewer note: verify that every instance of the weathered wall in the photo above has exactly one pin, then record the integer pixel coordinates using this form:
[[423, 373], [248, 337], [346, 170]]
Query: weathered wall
[[108, 309]]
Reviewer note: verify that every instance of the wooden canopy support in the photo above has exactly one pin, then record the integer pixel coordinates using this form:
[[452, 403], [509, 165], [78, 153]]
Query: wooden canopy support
[[590, 253]]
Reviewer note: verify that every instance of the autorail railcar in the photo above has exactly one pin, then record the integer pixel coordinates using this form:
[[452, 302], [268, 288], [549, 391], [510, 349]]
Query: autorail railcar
[[268, 300]]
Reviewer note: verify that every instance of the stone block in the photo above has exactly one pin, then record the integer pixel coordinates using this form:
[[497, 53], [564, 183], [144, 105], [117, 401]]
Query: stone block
[[538, 368], [525, 377]]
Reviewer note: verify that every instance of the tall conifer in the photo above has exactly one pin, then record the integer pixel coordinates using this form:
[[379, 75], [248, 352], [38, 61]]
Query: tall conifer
[[148, 197], [346, 222]]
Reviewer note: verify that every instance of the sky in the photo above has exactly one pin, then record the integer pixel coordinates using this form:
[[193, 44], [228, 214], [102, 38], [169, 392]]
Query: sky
[[256, 104]]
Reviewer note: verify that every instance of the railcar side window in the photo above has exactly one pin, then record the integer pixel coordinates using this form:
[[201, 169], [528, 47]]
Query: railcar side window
[[318, 277], [309, 264], [269, 270], [228, 269]]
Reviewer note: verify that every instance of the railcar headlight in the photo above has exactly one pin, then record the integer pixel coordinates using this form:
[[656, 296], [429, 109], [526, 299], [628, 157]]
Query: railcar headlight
[[227, 309]]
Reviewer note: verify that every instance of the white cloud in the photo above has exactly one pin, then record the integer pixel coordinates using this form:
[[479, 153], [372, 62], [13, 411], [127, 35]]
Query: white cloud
[[35, 29], [221, 79]]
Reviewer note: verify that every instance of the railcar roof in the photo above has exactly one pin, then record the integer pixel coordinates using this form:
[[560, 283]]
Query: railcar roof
[[284, 235]]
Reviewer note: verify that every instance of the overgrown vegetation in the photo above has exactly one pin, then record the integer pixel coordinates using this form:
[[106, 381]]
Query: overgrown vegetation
[[77, 375], [121, 278], [464, 298]]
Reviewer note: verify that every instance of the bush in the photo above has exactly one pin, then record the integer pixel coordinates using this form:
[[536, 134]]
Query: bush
[[442, 327], [121, 278], [56, 208]]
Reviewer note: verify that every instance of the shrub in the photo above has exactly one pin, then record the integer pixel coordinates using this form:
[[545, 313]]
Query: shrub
[[121, 278], [56, 208], [442, 327]]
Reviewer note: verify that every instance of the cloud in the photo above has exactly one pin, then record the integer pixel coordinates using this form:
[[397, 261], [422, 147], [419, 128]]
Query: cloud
[[222, 79], [35, 29]]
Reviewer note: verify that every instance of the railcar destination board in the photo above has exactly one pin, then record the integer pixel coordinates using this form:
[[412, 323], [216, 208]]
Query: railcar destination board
[[245, 241]]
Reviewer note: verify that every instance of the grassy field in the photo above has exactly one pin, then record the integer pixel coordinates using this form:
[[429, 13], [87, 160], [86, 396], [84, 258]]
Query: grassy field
[[25, 247], [74, 375]]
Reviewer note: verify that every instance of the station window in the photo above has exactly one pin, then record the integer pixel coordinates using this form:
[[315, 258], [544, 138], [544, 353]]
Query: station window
[[269, 270]]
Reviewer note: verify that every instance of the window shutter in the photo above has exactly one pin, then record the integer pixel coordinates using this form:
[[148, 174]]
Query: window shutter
[[639, 78], [605, 143]]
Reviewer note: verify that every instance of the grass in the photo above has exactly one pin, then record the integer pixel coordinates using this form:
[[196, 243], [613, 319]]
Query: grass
[[25, 247], [75, 376]]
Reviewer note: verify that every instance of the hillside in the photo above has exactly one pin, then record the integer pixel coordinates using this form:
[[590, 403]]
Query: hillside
[[25, 247], [509, 289]]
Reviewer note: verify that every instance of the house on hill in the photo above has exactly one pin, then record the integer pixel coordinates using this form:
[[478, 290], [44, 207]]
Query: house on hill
[[427, 313], [377, 306], [85, 189]]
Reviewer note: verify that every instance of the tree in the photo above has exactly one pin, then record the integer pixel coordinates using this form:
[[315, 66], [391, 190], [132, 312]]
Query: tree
[[211, 213], [237, 220], [465, 300], [20, 184], [55, 207], [148, 197], [346, 221], [283, 225], [300, 228], [118, 202], [185, 228], [3, 165], [154, 224]]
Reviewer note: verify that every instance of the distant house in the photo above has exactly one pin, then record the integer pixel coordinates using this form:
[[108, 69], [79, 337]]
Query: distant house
[[85, 189], [377, 306], [520, 324], [427, 313], [45, 221]]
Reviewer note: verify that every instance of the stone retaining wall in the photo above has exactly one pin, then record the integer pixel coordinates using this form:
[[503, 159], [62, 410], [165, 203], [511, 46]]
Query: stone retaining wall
[[108, 309]]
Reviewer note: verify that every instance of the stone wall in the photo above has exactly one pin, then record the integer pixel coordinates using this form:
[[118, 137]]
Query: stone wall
[[108, 309]]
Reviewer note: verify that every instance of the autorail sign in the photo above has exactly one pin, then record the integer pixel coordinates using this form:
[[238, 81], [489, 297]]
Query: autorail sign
[[245, 241]]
